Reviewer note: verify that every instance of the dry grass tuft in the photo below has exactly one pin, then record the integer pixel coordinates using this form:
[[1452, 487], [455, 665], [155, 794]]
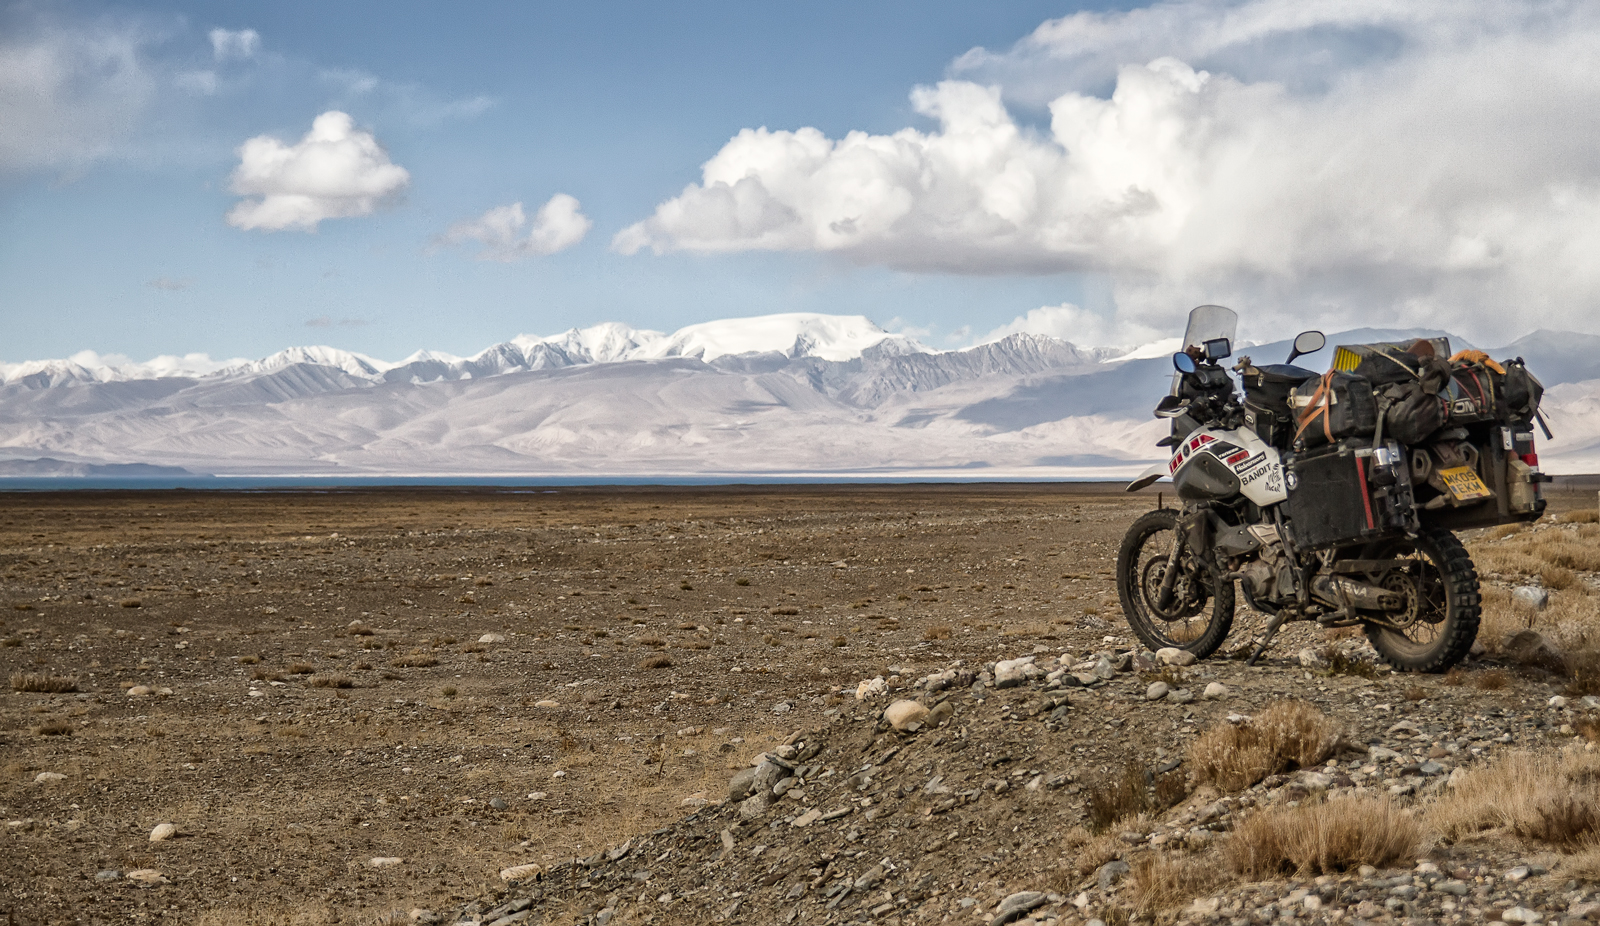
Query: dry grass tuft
[[330, 681], [301, 668], [662, 661], [1552, 797], [40, 682], [1343, 663], [1324, 838], [1117, 798], [414, 661], [1584, 865], [1559, 578], [1161, 882], [54, 728], [1492, 680], [1286, 735], [1581, 516], [937, 632]]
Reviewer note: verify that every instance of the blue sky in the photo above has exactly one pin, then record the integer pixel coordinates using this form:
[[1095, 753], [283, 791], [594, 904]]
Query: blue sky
[[959, 170], [616, 104]]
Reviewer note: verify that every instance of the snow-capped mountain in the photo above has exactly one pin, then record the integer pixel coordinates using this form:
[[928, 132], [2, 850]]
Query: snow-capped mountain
[[791, 394]]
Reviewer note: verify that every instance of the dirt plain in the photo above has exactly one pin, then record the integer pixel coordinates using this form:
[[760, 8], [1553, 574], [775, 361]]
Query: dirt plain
[[462, 681]]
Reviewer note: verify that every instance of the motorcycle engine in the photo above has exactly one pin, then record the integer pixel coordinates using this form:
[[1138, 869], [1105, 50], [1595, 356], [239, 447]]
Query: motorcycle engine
[[1271, 574]]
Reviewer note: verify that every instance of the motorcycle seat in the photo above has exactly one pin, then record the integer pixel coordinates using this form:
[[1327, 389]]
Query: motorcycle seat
[[1285, 374]]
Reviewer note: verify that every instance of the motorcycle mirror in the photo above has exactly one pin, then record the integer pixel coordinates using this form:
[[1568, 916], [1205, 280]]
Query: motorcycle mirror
[[1183, 363], [1218, 348], [1307, 342]]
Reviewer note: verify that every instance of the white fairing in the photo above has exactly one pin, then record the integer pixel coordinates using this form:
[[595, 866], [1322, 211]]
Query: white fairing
[[1155, 472], [1255, 463]]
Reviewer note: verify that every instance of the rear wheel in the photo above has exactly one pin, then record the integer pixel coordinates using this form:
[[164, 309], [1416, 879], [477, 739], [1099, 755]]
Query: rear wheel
[[1442, 605], [1200, 612]]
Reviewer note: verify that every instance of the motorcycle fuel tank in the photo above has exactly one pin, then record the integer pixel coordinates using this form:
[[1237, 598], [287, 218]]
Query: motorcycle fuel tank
[[1214, 463]]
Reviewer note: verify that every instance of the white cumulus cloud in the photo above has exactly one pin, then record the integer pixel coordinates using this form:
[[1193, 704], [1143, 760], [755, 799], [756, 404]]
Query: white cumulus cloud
[[335, 171], [230, 43], [1346, 160], [559, 224]]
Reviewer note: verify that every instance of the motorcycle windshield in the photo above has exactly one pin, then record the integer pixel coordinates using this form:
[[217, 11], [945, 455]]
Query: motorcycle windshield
[[1209, 322]]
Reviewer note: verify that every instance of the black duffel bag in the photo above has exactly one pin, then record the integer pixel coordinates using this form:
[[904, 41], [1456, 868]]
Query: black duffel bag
[[1522, 390], [1334, 406], [1412, 412]]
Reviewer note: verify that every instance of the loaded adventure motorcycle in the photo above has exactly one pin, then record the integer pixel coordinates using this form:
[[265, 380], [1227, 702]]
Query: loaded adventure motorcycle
[[1330, 497]]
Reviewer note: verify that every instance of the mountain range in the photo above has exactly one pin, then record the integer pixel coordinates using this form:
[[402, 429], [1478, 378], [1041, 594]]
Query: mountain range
[[778, 395]]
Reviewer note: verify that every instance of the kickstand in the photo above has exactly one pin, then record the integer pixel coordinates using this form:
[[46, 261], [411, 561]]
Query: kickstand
[[1278, 620]]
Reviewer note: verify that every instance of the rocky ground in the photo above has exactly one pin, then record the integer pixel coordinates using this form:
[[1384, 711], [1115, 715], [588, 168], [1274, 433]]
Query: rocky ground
[[670, 706]]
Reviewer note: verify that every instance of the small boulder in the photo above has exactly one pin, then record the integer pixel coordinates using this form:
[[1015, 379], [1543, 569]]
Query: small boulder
[[1110, 873], [163, 832], [871, 688], [1531, 596], [518, 872], [492, 638], [383, 861], [903, 714], [743, 781], [146, 876], [1311, 658], [940, 715], [1009, 673], [1173, 656], [1156, 691], [1018, 905], [45, 778], [1532, 648], [1214, 691]]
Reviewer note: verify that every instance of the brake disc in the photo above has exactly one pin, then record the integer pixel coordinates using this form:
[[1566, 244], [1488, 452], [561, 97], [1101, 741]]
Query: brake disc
[[1185, 603]]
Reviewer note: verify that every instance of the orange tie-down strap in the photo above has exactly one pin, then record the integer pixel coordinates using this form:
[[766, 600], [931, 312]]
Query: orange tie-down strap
[[1477, 356], [1318, 406]]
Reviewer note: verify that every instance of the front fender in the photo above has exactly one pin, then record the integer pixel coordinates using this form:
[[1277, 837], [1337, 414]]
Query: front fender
[[1148, 477]]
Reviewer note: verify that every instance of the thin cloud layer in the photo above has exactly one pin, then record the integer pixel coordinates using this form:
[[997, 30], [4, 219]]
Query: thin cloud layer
[[68, 96], [1410, 164], [559, 224], [230, 43], [336, 171]]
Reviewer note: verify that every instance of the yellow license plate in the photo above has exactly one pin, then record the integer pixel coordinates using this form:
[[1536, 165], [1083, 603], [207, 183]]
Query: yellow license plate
[[1464, 484]]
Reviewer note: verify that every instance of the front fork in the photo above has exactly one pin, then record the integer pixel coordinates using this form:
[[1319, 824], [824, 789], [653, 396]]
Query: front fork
[[1169, 576]]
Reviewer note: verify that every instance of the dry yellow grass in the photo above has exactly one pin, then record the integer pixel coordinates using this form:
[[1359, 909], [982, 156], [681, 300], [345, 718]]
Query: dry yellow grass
[[1571, 620], [1551, 797], [1323, 838], [1285, 735], [1161, 882], [40, 682]]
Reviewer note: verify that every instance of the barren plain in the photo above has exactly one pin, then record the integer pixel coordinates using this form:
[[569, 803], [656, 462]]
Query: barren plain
[[361, 706]]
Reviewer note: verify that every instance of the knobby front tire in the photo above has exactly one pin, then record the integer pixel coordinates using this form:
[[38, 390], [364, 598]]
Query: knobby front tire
[[1199, 628]]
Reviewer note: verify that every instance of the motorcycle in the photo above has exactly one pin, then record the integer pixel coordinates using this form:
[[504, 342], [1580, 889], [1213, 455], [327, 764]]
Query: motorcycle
[[1357, 530]]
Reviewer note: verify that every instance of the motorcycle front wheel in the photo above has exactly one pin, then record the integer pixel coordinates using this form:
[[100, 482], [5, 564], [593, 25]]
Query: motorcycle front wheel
[[1443, 606], [1200, 613]]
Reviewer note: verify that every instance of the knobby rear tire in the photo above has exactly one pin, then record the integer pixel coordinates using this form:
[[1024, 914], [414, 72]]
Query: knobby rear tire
[[1142, 540], [1462, 607]]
